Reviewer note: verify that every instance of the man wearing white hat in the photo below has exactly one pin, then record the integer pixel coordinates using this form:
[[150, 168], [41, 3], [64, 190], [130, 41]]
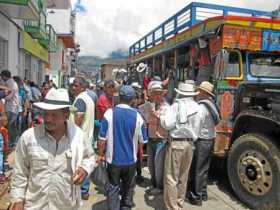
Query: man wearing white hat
[[197, 189], [141, 71], [183, 120], [51, 160]]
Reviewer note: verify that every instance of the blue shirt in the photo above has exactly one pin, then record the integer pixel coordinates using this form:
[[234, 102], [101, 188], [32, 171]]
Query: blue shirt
[[92, 95], [123, 128], [80, 105]]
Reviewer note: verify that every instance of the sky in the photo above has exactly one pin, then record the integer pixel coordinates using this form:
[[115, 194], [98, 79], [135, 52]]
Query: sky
[[109, 25]]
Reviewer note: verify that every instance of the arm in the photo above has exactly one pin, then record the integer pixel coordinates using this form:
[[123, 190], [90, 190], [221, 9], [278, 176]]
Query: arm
[[168, 116], [81, 109], [143, 135], [10, 95], [87, 164], [102, 139], [79, 119], [20, 173]]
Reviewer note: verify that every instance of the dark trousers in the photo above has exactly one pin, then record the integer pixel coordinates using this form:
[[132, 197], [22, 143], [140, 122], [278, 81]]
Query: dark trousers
[[197, 186], [123, 176], [152, 148], [139, 165]]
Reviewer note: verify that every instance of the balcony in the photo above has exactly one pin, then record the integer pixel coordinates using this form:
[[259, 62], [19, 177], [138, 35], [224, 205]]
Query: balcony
[[50, 41], [37, 29], [22, 9]]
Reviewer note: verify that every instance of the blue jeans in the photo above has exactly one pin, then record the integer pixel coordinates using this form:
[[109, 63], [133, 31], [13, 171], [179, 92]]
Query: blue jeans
[[152, 147], [85, 186], [1, 154]]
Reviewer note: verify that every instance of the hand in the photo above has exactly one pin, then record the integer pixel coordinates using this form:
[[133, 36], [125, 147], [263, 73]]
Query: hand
[[158, 135], [7, 92], [100, 159], [17, 206], [79, 176]]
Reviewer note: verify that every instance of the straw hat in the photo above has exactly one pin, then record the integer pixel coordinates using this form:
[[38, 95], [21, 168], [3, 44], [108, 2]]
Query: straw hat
[[207, 87], [186, 89], [55, 99]]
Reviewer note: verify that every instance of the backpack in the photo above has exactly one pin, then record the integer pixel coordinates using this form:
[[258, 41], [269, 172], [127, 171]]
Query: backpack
[[213, 109]]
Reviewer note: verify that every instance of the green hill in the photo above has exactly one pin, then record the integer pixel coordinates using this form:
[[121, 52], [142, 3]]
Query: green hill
[[92, 63]]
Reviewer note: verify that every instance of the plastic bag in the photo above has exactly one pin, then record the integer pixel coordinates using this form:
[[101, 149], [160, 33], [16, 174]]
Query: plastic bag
[[99, 176]]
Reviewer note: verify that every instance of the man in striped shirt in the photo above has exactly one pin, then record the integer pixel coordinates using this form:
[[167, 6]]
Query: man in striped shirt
[[122, 129]]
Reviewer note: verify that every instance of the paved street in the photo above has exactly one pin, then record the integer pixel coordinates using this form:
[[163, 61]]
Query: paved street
[[220, 198]]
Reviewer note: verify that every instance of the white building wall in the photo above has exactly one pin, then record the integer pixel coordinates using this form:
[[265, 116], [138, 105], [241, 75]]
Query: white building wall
[[34, 69], [63, 26], [56, 62], [4, 25], [21, 64], [13, 50], [9, 33]]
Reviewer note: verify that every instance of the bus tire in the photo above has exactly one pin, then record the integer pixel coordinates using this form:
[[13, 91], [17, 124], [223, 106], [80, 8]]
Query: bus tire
[[253, 168]]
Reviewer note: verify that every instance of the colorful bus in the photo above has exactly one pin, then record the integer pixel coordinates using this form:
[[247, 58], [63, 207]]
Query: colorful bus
[[238, 50]]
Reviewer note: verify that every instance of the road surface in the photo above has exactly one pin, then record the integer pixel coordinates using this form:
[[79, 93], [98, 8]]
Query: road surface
[[220, 198]]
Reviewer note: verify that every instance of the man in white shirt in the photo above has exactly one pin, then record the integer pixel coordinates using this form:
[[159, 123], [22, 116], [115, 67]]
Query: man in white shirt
[[197, 189], [183, 121], [51, 160]]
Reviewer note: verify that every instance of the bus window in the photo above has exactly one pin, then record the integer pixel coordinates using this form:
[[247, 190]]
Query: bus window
[[232, 67]]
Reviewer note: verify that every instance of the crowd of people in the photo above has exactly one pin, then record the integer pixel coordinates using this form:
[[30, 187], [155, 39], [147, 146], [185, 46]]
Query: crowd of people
[[16, 111], [88, 125]]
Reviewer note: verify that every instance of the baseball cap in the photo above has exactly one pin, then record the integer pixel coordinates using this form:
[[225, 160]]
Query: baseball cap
[[127, 91], [155, 85]]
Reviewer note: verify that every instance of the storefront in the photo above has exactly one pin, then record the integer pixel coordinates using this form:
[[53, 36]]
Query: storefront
[[36, 57]]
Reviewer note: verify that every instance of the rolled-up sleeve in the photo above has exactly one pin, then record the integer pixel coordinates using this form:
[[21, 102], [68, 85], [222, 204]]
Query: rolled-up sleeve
[[20, 172], [143, 135], [104, 125]]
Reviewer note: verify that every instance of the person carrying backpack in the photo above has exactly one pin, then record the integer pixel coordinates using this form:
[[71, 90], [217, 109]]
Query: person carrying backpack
[[197, 186]]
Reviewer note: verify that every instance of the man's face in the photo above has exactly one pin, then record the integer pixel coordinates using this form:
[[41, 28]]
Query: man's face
[[202, 95], [55, 119], [5, 78], [156, 96], [110, 90], [76, 88]]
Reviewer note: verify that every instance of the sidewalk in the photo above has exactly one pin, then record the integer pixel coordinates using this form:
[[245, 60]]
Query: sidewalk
[[219, 199]]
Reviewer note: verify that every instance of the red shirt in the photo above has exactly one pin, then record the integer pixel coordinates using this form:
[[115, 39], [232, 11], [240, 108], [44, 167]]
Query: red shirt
[[103, 104], [146, 82]]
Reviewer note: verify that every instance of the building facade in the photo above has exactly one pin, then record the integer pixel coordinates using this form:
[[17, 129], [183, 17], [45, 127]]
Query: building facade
[[107, 69], [29, 45], [24, 40], [61, 60]]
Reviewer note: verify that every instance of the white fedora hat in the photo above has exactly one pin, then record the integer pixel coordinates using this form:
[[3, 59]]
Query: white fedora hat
[[207, 87], [141, 67], [136, 85], [186, 89], [55, 99]]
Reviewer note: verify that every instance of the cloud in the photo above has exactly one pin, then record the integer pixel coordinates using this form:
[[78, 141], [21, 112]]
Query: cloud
[[108, 25]]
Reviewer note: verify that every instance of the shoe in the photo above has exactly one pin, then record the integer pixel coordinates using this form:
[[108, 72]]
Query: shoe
[[195, 202], [155, 191], [85, 196]]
